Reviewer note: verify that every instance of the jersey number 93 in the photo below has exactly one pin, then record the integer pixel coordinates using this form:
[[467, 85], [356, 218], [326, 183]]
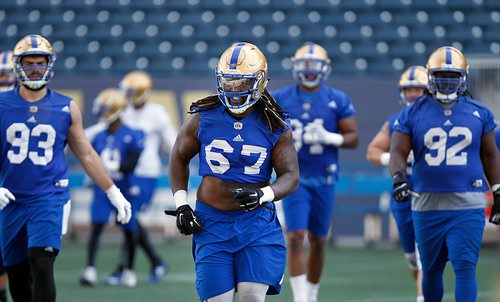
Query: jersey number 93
[[18, 135]]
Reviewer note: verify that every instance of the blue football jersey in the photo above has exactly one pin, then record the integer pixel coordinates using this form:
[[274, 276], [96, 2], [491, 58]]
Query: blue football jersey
[[326, 104], [236, 150], [116, 147], [446, 144], [33, 136]]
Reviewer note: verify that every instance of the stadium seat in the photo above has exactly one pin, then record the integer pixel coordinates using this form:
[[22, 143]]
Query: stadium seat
[[164, 29]]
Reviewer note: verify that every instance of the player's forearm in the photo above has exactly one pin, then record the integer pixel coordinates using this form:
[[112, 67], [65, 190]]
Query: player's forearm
[[285, 185], [377, 156], [399, 150], [178, 174], [92, 165], [491, 166], [351, 140]]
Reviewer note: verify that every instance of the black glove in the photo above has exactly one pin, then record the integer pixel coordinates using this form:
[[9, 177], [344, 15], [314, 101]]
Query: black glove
[[495, 209], [187, 221], [249, 199], [401, 189]]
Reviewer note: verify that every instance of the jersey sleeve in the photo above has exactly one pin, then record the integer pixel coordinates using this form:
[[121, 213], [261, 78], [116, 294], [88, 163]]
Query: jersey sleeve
[[402, 123], [489, 123], [346, 108]]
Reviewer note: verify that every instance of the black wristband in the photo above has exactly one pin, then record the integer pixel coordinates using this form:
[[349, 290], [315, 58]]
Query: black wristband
[[399, 177]]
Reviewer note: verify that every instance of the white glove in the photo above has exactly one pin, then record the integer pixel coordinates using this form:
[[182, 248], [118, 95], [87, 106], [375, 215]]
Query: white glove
[[315, 133], [5, 197], [122, 206], [111, 166]]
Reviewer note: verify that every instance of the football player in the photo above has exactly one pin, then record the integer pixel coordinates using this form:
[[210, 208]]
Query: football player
[[7, 73], [119, 148], [7, 82], [159, 136], [412, 85], [35, 125], [241, 134], [322, 121], [452, 139]]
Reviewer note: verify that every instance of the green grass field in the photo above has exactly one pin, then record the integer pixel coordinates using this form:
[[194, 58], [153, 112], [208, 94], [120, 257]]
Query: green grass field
[[350, 275]]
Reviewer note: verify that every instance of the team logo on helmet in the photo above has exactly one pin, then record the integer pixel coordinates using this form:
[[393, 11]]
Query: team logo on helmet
[[241, 76]]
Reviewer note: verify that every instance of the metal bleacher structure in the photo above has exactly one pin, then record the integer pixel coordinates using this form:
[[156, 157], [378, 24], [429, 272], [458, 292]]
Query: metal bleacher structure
[[185, 37]]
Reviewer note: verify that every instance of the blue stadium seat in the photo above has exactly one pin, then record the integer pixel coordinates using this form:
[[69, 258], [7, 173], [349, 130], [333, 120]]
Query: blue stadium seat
[[152, 27]]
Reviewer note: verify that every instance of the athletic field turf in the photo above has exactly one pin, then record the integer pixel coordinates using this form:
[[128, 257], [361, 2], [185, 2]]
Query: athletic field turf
[[350, 275]]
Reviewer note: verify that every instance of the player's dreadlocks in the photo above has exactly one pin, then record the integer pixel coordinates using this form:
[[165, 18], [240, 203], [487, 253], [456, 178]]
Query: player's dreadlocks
[[270, 111]]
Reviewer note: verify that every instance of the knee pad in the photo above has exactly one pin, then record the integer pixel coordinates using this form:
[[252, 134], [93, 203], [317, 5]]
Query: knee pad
[[411, 259]]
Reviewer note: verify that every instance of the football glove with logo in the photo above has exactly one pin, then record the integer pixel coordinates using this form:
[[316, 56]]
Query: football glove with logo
[[5, 197], [252, 198], [187, 221], [495, 209], [401, 189]]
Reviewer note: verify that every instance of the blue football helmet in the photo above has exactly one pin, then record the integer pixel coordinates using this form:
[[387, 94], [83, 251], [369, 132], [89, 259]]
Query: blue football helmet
[[448, 71], [241, 76], [310, 65]]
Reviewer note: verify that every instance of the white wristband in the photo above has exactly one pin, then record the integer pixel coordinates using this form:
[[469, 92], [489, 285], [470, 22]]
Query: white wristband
[[180, 198], [268, 194], [385, 158], [112, 191], [335, 139], [495, 187]]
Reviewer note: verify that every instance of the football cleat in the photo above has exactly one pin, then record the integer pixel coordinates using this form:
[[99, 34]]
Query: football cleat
[[34, 45], [310, 65], [448, 69], [109, 104], [137, 86], [89, 276], [113, 279], [7, 72], [158, 272], [413, 77], [241, 76], [128, 278]]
